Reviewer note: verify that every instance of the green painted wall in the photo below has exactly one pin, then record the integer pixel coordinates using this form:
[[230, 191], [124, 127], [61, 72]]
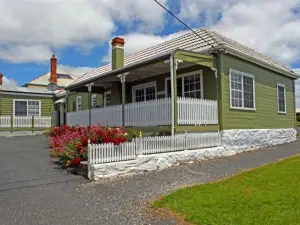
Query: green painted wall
[[7, 104], [85, 101], [265, 115]]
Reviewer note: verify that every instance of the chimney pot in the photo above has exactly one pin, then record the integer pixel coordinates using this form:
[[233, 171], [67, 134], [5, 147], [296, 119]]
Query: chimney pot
[[53, 68], [117, 41], [1, 78]]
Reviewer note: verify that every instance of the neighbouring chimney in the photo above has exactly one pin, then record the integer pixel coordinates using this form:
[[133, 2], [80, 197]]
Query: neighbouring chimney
[[117, 45], [1, 78], [53, 66]]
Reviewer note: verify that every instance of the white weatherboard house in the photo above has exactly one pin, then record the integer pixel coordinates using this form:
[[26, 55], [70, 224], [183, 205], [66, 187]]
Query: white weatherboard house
[[207, 85]]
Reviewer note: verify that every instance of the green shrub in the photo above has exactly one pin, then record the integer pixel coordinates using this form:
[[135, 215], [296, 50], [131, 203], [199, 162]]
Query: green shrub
[[131, 134]]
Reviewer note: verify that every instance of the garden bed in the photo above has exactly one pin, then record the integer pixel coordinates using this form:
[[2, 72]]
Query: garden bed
[[69, 144]]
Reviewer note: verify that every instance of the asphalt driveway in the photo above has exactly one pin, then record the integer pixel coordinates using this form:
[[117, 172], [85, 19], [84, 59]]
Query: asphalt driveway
[[33, 191]]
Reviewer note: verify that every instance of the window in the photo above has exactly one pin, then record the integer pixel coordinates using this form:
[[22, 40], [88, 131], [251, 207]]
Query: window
[[188, 85], [281, 101], [242, 90], [78, 103], [144, 92], [27, 107], [94, 101], [107, 98]]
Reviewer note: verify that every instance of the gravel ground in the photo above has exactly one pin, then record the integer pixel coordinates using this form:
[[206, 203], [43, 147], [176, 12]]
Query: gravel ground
[[33, 191]]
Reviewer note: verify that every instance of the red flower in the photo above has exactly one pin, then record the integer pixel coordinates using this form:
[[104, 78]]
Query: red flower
[[76, 161]]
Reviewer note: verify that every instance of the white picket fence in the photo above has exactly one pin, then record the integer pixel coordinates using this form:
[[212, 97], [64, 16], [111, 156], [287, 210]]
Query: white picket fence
[[5, 121], [106, 153], [197, 111], [25, 122], [42, 122], [22, 121], [150, 113]]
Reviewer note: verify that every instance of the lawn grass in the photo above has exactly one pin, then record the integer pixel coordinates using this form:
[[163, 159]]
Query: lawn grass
[[269, 195]]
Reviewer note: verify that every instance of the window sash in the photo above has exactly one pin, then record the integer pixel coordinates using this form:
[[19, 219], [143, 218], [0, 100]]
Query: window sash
[[281, 98], [107, 98], [183, 85], [144, 92], [242, 93], [30, 108], [78, 103], [94, 101]]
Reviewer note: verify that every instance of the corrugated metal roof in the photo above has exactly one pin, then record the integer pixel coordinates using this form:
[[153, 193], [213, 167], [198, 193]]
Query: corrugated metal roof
[[188, 42]]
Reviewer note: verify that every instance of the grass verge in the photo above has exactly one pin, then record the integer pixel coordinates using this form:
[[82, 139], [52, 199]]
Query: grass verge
[[269, 195]]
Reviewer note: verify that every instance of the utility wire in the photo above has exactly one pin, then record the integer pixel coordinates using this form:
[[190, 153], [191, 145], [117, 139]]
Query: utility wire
[[188, 27]]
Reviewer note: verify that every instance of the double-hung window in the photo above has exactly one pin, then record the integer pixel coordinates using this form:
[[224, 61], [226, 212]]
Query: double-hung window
[[281, 98], [78, 103], [94, 101], [144, 92], [188, 85], [242, 90], [27, 107], [107, 98]]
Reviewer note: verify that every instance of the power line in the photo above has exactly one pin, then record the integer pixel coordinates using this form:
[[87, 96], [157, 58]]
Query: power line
[[188, 27]]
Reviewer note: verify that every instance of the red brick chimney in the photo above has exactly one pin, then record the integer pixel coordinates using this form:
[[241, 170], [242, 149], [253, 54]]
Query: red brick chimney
[[1, 78], [53, 66]]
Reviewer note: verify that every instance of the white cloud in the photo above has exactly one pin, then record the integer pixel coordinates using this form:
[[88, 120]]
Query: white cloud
[[25, 53], [135, 42], [77, 71], [9, 82], [57, 23], [268, 26]]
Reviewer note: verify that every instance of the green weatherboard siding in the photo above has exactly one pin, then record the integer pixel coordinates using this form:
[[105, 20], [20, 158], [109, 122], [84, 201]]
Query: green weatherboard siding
[[6, 105], [266, 114]]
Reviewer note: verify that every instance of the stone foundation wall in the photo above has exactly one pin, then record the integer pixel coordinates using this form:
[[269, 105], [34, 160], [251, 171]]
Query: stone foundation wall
[[241, 140]]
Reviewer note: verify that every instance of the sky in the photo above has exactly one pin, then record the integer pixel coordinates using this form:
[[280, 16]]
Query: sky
[[79, 32]]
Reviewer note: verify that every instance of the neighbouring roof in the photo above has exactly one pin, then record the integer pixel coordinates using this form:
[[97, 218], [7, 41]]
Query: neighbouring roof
[[24, 90], [188, 42], [297, 110], [63, 79]]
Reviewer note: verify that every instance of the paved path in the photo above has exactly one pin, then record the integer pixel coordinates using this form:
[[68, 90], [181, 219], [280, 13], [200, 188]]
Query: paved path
[[33, 191]]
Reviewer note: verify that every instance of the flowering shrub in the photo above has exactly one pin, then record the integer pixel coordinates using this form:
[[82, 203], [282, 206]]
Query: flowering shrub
[[70, 144]]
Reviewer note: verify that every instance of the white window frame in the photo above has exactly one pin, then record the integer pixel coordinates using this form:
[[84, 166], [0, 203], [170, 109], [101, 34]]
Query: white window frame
[[143, 86], [77, 99], [92, 100], [26, 100], [105, 98], [182, 77], [281, 85], [253, 80]]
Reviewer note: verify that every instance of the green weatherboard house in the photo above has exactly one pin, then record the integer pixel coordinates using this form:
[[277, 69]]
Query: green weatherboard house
[[33, 99], [190, 84]]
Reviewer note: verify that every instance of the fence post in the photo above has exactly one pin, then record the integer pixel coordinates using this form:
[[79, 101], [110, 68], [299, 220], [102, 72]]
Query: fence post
[[12, 124], [139, 152], [185, 139], [32, 123], [89, 158]]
